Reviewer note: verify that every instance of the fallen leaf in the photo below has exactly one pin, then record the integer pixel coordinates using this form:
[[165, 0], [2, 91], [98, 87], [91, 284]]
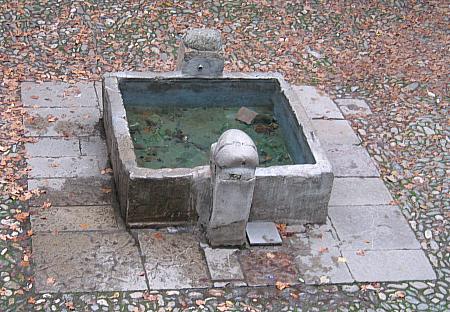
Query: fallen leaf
[[200, 302], [360, 252], [324, 279], [399, 294], [46, 205], [51, 118], [84, 226], [158, 235], [51, 280], [106, 171], [35, 97], [21, 217], [270, 255], [69, 305], [106, 190], [280, 285], [150, 297], [323, 249], [31, 300]]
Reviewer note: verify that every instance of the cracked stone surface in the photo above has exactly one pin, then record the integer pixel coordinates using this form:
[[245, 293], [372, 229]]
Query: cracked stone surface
[[80, 262]]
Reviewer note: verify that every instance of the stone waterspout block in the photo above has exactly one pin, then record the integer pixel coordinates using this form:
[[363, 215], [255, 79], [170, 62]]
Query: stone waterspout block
[[233, 162], [201, 53]]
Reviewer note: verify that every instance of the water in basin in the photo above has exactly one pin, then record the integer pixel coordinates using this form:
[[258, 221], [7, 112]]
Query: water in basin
[[180, 137]]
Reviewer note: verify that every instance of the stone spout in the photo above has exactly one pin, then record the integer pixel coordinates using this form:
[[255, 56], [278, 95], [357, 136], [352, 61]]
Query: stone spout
[[233, 161]]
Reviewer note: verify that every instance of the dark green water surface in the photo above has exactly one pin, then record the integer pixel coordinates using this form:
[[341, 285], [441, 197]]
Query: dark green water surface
[[181, 137]]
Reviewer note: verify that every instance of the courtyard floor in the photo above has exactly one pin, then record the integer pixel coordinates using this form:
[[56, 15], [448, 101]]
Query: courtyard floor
[[385, 246]]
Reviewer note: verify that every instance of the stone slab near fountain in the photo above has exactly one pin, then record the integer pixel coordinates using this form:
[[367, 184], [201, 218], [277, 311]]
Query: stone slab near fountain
[[295, 193]]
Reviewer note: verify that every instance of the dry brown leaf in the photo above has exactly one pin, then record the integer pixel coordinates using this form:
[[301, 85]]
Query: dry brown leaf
[[51, 280], [106, 190], [280, 285], [84, 226], [35, 97], [106, 171], [360, 252], [31, 300], [323, 249], [51, 118], [21, 217], [46, 205], [158, 235]]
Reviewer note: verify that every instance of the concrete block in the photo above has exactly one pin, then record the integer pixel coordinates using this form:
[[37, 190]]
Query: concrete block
[[72, 191], [324, 266], [53, 147], [267, 266], [317, 105], [359, 191], [173, 261], [74, 218], [263, 233], [58, 94], [87, 262], [353, 107], [66, 167], [63, 122], [351, 161], [389, 265], [223, 264], [372, 227], [332, 132], [93, 146]]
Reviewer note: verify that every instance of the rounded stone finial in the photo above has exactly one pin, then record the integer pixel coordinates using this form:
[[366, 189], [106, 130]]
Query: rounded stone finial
[[203, 39], [235, 149]]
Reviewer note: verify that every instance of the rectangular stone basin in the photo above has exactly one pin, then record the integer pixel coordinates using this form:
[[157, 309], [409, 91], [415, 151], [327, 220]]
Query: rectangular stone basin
[[297, 192]]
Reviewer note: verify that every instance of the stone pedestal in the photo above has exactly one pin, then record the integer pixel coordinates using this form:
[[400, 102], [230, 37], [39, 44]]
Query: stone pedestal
[[201, 53], [233, 162]]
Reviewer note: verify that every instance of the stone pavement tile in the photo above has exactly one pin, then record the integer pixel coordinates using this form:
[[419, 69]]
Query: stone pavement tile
[[316, 238], [58, 94], [66, 122], [267, 266], [317, 106], [223, 264], [173, 261], [322, 266], [353, 107], [53, 147], [76, 218], [359, 191], [389, 265], [372, 227], [87, 262], [93, 146], [66, 167], [351, 161], [331, 132], [73, 191], [263, 233]]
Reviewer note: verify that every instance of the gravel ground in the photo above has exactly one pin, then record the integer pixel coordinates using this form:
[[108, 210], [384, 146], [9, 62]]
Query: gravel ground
[[393, 54]]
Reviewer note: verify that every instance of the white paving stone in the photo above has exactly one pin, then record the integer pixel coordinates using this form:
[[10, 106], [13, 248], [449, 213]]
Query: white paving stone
[[317, 105]]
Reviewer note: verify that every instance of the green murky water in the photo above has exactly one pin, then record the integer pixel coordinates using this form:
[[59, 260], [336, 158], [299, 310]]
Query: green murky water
[[181, 137]]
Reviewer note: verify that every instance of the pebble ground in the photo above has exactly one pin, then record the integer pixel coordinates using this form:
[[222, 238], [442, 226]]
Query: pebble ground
[[393, 54]]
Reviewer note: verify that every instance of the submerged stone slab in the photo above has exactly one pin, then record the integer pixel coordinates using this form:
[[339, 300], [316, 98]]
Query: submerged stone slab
[[263, 233], [53, 147], [264, 267], [351, 161], [93, 146], [72, 191], [332, 132], [325, 266], [74, 218], [317, 106], [372, 227], [173, 261], [58, 94], [389, 265], [359, 191], [223, 264], [65, 122], [353, 107], [87, 262], [66, 167]]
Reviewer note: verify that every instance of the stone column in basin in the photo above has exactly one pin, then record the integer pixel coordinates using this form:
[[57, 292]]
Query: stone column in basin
[[234, 158]]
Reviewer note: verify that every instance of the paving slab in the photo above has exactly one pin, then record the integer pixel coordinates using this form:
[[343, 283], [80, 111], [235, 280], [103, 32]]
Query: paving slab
[[372, 227], [332, 132], [350, 161], [223, 264], [77, 218], [353, 107], [173, 261], [315, 238], [263, 233], [325, 266], [87, 262], [66, 167], [62, 122], [264, 267], [53, 147], [58, 94], [316, 104], [359, 191], [73, 191], [389, 265], [93, 146]]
